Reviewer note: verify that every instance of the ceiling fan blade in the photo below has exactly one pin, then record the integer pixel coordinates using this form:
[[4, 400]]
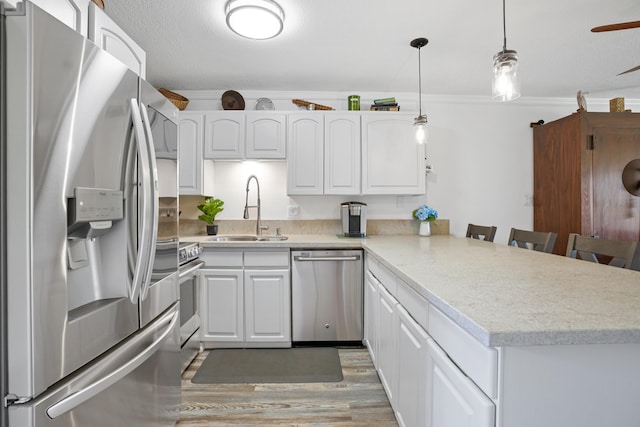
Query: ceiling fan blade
[[630, 70], [614, 27]]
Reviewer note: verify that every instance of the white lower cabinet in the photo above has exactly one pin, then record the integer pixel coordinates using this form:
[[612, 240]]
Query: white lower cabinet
[[424, 386], [248, 303], [371, 316], [222, 306], [267, 297], [453, 400], [387, 343], [411, 393]]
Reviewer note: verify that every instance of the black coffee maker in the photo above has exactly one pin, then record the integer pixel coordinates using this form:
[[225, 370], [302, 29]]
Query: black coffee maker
[[354, 219]]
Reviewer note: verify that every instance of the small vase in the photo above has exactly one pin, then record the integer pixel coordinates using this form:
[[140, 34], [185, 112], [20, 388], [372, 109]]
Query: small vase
[[212, 230], [425, 228]]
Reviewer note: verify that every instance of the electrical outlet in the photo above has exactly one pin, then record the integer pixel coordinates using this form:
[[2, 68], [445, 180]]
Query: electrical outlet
[[293, 211], [528, 199]]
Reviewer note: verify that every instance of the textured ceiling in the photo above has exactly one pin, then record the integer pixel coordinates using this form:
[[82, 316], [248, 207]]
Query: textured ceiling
[[363, 46]]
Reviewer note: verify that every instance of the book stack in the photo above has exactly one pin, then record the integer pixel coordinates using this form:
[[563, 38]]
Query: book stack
[[385, 104]]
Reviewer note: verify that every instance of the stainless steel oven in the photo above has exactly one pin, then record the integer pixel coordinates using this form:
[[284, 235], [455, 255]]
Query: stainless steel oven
[[188, 284]]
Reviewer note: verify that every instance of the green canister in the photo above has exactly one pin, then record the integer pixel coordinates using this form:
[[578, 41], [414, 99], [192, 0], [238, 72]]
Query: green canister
[[354, 102]]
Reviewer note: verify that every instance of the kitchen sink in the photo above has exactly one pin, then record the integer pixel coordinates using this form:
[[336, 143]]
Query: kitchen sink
[[245, 238]]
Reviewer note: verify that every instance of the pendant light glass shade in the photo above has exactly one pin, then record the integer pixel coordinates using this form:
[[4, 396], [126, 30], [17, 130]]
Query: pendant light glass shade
[[420, 122], [505, 85], [255, 19]]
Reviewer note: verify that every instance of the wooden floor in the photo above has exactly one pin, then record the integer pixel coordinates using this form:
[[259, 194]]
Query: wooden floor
[[358, 400]]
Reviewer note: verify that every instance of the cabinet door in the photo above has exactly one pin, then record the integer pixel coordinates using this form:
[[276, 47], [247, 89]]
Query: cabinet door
[[104, 32], [392, 161], [453, 400], [190, 142], [342, 154], [266, 135], [267, 306], [387, 354], [616, 212], [305, 154], [73, 13], [222, 306], [224, 135], [371, 316], [412, 367]]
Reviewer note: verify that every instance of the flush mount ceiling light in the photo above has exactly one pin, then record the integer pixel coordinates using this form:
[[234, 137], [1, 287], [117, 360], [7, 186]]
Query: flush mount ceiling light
[[255, 19], [420, 122], [505, 85]]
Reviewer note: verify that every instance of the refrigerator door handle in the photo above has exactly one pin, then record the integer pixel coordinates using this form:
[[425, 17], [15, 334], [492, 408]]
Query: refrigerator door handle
[[144, 250], [153, 188], [79, 397]]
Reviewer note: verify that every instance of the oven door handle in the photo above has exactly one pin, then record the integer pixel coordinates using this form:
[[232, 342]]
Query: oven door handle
[[190, 270], [327, 258]]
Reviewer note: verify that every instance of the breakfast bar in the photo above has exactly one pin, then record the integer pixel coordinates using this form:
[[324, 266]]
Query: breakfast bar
[[502, 335]]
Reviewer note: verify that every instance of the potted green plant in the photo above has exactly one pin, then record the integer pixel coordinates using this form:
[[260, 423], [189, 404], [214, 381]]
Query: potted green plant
[[210, 208]]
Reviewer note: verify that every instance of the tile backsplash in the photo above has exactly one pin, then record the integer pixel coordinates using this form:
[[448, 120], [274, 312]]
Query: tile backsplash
[[191, 227]]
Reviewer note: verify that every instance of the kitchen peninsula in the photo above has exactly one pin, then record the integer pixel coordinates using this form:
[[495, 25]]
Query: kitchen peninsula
[[540, 339]]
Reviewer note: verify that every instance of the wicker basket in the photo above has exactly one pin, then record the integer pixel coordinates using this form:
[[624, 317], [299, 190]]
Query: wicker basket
[[178, 100], [100, 3]]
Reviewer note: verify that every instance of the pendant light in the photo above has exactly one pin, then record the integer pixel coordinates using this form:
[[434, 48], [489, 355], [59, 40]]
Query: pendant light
[[255, 19], [420, 122], [505, 85]]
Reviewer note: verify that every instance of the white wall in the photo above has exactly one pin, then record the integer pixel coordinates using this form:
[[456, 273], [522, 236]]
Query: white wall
[[481, 153]]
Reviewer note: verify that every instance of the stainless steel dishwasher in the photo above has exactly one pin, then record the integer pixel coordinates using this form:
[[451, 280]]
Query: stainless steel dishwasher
[[327, 296]]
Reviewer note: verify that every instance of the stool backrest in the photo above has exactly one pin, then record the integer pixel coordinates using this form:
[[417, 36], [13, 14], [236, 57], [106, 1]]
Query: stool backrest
[[481, 232], [536, 240], [618, 253]]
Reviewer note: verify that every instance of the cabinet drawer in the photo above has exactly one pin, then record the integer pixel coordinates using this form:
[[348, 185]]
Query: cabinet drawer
[[387, 278], [221, 258], [371, 264], [266, 259], [476, 360], [417, 306]]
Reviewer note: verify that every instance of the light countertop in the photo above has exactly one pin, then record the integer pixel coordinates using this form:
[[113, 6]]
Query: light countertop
[[503, 296]]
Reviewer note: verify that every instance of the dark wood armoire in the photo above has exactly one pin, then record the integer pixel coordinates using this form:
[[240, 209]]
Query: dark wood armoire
[[577, 165]]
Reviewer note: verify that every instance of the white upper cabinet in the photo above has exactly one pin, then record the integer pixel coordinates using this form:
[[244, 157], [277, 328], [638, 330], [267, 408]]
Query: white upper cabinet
[[266, 135], [224, 135], [323, 153], [341, 153], [245, 135], [104, 32], [73, 13], [195, 173], [305, 148], [392, 161]]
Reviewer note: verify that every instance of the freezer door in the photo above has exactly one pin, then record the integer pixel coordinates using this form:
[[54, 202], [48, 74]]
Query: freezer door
[[68, 142], [135, 384]]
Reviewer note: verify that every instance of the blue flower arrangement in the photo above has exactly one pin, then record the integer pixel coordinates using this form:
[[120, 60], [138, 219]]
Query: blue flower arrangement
[[425, 213]]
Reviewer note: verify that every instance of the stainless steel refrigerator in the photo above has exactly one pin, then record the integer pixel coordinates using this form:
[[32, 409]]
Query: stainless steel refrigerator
[[90, 322]]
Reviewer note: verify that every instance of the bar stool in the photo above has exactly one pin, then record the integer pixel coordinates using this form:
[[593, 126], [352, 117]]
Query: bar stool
[[537, 240], [625, 254], [481, 232]]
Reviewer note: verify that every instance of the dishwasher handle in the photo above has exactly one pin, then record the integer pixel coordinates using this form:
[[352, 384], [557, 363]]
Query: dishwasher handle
[[326, 258]]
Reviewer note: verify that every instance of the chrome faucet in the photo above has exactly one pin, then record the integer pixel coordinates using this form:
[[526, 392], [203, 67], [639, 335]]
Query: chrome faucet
[[259, 226]]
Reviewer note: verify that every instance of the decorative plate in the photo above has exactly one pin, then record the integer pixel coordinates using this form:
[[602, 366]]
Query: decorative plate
[[232, 100], [264, 104]]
